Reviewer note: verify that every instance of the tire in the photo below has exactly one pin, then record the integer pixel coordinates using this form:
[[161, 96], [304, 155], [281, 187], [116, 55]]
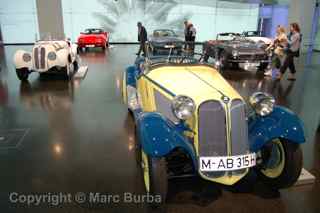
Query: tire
[[75, 66], [287, 170], [22, 74], [155, 177], [263, 67]]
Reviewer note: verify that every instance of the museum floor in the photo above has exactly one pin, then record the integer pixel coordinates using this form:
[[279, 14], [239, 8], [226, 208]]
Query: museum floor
[[59, 136]]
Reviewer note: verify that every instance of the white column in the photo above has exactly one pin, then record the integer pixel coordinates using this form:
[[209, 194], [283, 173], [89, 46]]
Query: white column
[[50, 18], [302, 12]]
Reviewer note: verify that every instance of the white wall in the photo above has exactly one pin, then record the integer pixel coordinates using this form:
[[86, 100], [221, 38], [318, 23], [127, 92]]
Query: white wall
[[121, 17], [18, 19]]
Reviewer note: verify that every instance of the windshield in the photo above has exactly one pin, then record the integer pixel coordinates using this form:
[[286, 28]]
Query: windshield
[[228, 36], [49, 37], [164, 33], [252, 34], [172, 54], [93, 31]]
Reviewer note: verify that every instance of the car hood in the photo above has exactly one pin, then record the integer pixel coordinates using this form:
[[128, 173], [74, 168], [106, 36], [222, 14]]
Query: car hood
[[246, 47], [52, 45], [165, 39], [260, 39], [200, 82]]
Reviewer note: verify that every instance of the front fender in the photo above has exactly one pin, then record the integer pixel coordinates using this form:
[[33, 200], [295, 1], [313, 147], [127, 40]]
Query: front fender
[[130, 75], [19, 62], [158, 136], [281, 123]]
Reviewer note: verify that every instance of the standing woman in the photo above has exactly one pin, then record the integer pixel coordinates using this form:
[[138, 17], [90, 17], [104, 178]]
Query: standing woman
[[279, 44], [294, 43]]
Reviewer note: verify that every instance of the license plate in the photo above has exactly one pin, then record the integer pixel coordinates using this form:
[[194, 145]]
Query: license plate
[[227, 163], [253, 64], [90, 45]]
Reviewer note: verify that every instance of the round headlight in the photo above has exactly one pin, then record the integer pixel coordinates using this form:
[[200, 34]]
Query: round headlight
[[26, 57], [235, 53], [183, 107], [52, 56], [262, 103]]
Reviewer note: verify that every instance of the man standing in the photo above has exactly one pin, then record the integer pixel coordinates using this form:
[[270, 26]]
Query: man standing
[[142, 38], [186, 29], [192, 36]]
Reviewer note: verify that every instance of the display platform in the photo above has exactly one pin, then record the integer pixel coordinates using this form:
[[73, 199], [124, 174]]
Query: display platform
[[305, 178], [82, 72]]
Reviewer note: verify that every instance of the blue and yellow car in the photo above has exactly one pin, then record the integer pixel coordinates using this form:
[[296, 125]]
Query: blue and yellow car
[[190, 121]]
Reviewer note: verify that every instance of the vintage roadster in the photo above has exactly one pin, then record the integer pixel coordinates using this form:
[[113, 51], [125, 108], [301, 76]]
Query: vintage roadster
[[162, 39], [47, 56], [234, 50], [93, 37], [189, 120]]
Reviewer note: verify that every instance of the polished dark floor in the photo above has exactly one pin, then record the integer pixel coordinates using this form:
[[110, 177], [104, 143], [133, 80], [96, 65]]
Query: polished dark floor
[[60, 136]]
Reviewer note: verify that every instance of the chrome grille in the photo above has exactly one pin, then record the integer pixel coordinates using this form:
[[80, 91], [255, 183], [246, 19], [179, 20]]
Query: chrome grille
[[253, 57], [239, 128], [39, 59], [163, 105], [35, 56], [212, 129], [213, 136], [42, 58], [212, 132]]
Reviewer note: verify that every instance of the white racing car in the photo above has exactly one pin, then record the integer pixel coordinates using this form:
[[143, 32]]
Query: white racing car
[[48, 56]]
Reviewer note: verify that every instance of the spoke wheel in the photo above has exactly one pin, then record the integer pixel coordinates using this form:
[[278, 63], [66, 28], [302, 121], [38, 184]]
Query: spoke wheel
[[281, 163]]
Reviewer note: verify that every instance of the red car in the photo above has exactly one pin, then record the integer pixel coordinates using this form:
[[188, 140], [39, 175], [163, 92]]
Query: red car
[[93, 37]]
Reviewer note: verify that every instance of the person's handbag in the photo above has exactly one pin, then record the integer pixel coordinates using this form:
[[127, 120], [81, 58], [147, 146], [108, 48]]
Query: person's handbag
[[279, 51]]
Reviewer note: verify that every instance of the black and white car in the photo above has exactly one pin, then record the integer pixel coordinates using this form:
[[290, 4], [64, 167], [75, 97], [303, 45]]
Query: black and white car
[[164, 40], [235, 50]]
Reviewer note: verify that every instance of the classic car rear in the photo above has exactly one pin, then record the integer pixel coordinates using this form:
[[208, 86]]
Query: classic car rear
[[162, 40], [93, 38], [190, 121], [234, 50]]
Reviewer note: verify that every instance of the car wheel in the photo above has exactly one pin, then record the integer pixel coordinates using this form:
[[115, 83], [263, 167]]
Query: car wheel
[[281, 163], [75, 66], [155, 176], [263, 67], [22, 74]]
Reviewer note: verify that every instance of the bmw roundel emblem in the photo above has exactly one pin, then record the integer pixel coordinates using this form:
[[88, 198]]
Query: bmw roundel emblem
[[225, 99]]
